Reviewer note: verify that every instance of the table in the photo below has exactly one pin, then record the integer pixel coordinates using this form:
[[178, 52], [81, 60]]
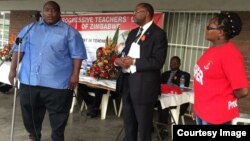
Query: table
[[168, 100], [108, 85], [4, 72]]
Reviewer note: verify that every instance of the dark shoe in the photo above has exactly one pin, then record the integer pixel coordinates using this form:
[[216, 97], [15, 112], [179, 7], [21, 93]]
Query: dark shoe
[[164, 133], [94, 113], [89, 113], [152, 129], [90, 109]]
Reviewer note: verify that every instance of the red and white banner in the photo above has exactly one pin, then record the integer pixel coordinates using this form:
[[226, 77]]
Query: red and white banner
[[94, 28]]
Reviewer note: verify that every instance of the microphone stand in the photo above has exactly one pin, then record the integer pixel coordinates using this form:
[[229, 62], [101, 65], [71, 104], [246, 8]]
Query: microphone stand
[[18, 42]]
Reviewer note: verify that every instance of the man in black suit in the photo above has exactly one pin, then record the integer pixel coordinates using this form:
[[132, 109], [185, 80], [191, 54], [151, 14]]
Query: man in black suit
[[172, 77], [139, 77]]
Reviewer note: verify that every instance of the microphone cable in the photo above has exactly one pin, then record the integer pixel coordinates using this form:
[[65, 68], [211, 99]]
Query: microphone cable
[[30, 99]]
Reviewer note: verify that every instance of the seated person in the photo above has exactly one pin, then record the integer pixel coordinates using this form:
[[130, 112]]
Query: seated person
[[93, 102], [172, 77]]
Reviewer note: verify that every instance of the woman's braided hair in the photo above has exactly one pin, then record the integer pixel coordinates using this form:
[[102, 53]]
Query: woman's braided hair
[[230, 22]]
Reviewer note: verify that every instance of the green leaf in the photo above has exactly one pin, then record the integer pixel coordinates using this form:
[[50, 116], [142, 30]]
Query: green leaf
[[115, 38]]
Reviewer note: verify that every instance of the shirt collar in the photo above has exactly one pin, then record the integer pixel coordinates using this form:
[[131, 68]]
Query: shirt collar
[[146, 26], [56, 24]]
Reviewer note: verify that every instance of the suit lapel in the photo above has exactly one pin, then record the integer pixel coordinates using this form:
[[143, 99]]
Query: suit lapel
[[146, 34], [131, 38]]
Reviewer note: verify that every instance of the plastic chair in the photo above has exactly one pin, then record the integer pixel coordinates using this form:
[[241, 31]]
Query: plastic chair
[[244, 118], [84, 103], [103, 105], [120, 109], [74, 101]]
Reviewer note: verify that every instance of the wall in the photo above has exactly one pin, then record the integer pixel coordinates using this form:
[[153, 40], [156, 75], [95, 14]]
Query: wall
[[243, 42], [18, 19]]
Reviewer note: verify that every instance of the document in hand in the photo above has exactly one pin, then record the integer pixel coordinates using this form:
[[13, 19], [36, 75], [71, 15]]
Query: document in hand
[[134, 52]]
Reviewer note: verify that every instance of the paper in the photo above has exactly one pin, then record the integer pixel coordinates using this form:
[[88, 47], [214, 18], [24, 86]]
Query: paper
[[134, 51], [126, 70], [132, 69]]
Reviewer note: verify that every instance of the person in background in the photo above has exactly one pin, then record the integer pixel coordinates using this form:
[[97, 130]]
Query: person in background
[[49, 72], [139, 78], [219, 75], [172, 77], [93, 102]]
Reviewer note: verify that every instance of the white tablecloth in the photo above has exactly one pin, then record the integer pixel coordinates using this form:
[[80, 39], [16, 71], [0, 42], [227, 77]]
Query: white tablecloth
[[168, 100], [109, 85], [4, 72], [106, 83]]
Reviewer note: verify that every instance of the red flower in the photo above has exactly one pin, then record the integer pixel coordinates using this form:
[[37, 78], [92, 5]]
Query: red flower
[[112, 59], [5, 54], [103, 67], [97, 69], [143, 37], [175, 77]]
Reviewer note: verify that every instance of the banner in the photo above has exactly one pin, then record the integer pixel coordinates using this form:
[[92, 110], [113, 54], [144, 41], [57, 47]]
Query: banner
[[95, 28]]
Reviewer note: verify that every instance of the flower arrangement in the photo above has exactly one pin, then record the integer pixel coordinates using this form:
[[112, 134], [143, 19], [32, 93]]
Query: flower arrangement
[[103, 67], [5, 53]]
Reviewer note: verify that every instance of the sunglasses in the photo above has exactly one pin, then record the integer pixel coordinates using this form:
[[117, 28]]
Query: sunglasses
[[214, 28]]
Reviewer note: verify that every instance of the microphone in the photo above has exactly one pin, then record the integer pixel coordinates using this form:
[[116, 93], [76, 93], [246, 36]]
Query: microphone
[[37, 15], [18, 40]]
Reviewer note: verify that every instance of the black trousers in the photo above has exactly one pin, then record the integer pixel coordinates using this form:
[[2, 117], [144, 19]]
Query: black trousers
[[90, 100], [137, 119], [163, 114], [35, 100]]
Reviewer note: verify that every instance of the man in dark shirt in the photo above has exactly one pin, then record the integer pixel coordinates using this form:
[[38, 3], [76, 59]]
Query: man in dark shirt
[[93, 102], [172, 77]]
